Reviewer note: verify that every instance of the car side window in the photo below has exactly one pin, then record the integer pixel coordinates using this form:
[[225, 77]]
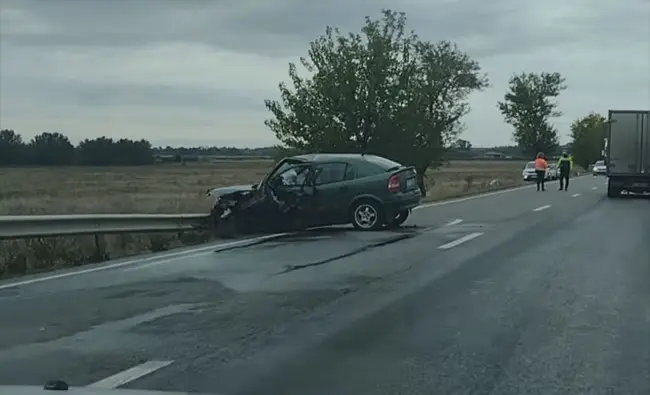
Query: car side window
[[328, 173], [293, 177], [350, 173]]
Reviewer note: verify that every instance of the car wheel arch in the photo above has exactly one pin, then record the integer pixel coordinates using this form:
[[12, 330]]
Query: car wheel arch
[[358, 198]]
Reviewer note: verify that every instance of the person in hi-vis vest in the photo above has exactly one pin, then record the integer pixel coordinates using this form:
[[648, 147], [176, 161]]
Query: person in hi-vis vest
[[540, 170], [565, 165]]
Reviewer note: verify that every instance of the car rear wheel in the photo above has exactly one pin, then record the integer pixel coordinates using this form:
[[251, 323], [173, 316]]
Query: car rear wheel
[[399, 219], [367, 215]]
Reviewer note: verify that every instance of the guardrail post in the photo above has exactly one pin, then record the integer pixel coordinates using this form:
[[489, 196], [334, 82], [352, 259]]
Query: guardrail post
[[100, 248]]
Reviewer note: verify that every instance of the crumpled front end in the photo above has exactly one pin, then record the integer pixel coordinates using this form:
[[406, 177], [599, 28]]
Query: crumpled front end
[[230, 213]]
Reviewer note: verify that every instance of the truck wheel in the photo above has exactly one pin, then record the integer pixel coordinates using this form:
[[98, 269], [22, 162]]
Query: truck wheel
[[613, 192], [367, 215]]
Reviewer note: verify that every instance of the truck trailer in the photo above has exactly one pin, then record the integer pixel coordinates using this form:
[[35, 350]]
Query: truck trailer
[[628, 152]]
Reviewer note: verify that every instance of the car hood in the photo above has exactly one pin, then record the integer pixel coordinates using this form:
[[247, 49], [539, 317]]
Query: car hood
[[230, 189], [34, 390]]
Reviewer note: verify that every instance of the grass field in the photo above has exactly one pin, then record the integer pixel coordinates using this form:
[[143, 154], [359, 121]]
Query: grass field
[[164, 189]]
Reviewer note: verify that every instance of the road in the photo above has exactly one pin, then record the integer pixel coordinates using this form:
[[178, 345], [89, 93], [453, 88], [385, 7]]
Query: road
[[519, 292]]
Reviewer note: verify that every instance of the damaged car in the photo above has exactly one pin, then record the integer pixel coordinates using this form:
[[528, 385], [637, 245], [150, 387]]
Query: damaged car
[[368, 191]]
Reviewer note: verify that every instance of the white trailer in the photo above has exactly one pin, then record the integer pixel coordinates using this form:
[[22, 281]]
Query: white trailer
[[628, 152]]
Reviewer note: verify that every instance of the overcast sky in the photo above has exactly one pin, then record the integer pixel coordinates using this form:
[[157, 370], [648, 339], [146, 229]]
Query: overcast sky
[[196, 72]]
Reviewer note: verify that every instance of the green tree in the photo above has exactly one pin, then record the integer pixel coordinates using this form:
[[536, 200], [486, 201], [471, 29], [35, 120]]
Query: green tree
[[587, 139], [528, 105], [381, 91], [462, 145], [51, 149], [12, 148]]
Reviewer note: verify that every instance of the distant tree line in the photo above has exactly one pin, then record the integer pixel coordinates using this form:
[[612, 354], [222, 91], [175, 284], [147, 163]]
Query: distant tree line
[[55, 149]]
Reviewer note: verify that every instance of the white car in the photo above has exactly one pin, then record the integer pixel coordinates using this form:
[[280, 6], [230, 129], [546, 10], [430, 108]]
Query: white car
[[552, 172], [599, 168], [528, 174]]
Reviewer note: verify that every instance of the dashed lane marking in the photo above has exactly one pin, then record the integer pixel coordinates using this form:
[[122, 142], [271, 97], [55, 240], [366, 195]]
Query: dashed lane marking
[[460, 241], [454, 222], [575, 195], [129, 375], [542, 207]]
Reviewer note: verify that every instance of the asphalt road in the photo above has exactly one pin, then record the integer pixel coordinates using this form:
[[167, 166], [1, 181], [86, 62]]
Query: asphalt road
[[520, 292]]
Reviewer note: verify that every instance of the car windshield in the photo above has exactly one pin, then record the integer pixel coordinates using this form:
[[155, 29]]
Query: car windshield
[[600, 163], [286, 164], [530, 165]]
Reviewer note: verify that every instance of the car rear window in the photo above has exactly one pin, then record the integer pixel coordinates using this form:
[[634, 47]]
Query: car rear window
[[530, 165], [385, 164]]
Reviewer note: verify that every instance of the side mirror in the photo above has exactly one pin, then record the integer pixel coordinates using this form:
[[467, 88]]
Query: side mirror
[[255, 186]]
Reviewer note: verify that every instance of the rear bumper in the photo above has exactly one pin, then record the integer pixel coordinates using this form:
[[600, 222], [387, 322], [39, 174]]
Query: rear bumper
[[402, 201]]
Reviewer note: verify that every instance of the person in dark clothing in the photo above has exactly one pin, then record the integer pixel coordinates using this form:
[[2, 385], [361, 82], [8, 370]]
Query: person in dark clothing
[[565, 165], [540, 170]]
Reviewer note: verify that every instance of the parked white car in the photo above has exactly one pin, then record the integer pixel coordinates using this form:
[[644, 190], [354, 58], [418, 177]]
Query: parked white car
[[599, 168], [528, 173], [552, 173]]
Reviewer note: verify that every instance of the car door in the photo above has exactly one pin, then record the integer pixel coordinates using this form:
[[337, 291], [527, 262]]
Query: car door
[[332, 191], [291, 192]]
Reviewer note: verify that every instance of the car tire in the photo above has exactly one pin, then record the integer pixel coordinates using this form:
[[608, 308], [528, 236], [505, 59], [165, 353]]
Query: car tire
[[613, 192], [399, 219], [367, 215]]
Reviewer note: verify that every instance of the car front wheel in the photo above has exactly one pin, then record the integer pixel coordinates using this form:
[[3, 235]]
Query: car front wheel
[[367, 215]]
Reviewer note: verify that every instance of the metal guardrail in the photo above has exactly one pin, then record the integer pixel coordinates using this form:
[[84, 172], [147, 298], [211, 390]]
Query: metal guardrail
[[24, 226]]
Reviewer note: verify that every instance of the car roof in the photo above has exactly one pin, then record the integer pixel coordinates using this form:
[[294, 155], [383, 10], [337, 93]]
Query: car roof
[[324, 157]]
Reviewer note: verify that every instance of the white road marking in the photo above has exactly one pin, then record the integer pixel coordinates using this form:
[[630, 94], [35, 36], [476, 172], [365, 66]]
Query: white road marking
[[542, 207], [460, 241], [129, 375], [575, 195], [205, 250], [594, 188], [481, 195], [465, 199], [454, 222]]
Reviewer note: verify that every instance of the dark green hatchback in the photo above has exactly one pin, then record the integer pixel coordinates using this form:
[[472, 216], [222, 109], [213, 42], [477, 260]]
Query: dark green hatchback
[[368, 191]]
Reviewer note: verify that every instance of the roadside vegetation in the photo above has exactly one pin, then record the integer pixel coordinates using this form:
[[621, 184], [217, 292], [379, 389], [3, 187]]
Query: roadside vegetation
[[381, 90]]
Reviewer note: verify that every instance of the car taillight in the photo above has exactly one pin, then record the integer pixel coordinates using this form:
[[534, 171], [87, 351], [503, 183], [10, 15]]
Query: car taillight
[[393, 184]]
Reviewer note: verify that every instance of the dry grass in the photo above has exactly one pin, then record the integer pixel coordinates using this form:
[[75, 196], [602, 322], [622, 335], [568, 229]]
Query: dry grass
[[162, 189]]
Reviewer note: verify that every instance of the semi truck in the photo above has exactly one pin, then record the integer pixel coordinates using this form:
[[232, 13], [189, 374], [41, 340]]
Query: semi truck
[[627, 150]]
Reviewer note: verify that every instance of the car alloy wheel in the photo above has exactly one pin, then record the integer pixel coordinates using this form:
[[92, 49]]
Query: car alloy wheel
[[367, 215]]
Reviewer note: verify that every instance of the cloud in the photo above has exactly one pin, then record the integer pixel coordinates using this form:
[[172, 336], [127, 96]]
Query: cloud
[[197, 72]]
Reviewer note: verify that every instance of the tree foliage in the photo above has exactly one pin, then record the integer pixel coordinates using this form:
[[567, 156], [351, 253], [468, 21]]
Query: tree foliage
[[462, 145], [55, 149], [382, 91], [528, 106], [587, 139]]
